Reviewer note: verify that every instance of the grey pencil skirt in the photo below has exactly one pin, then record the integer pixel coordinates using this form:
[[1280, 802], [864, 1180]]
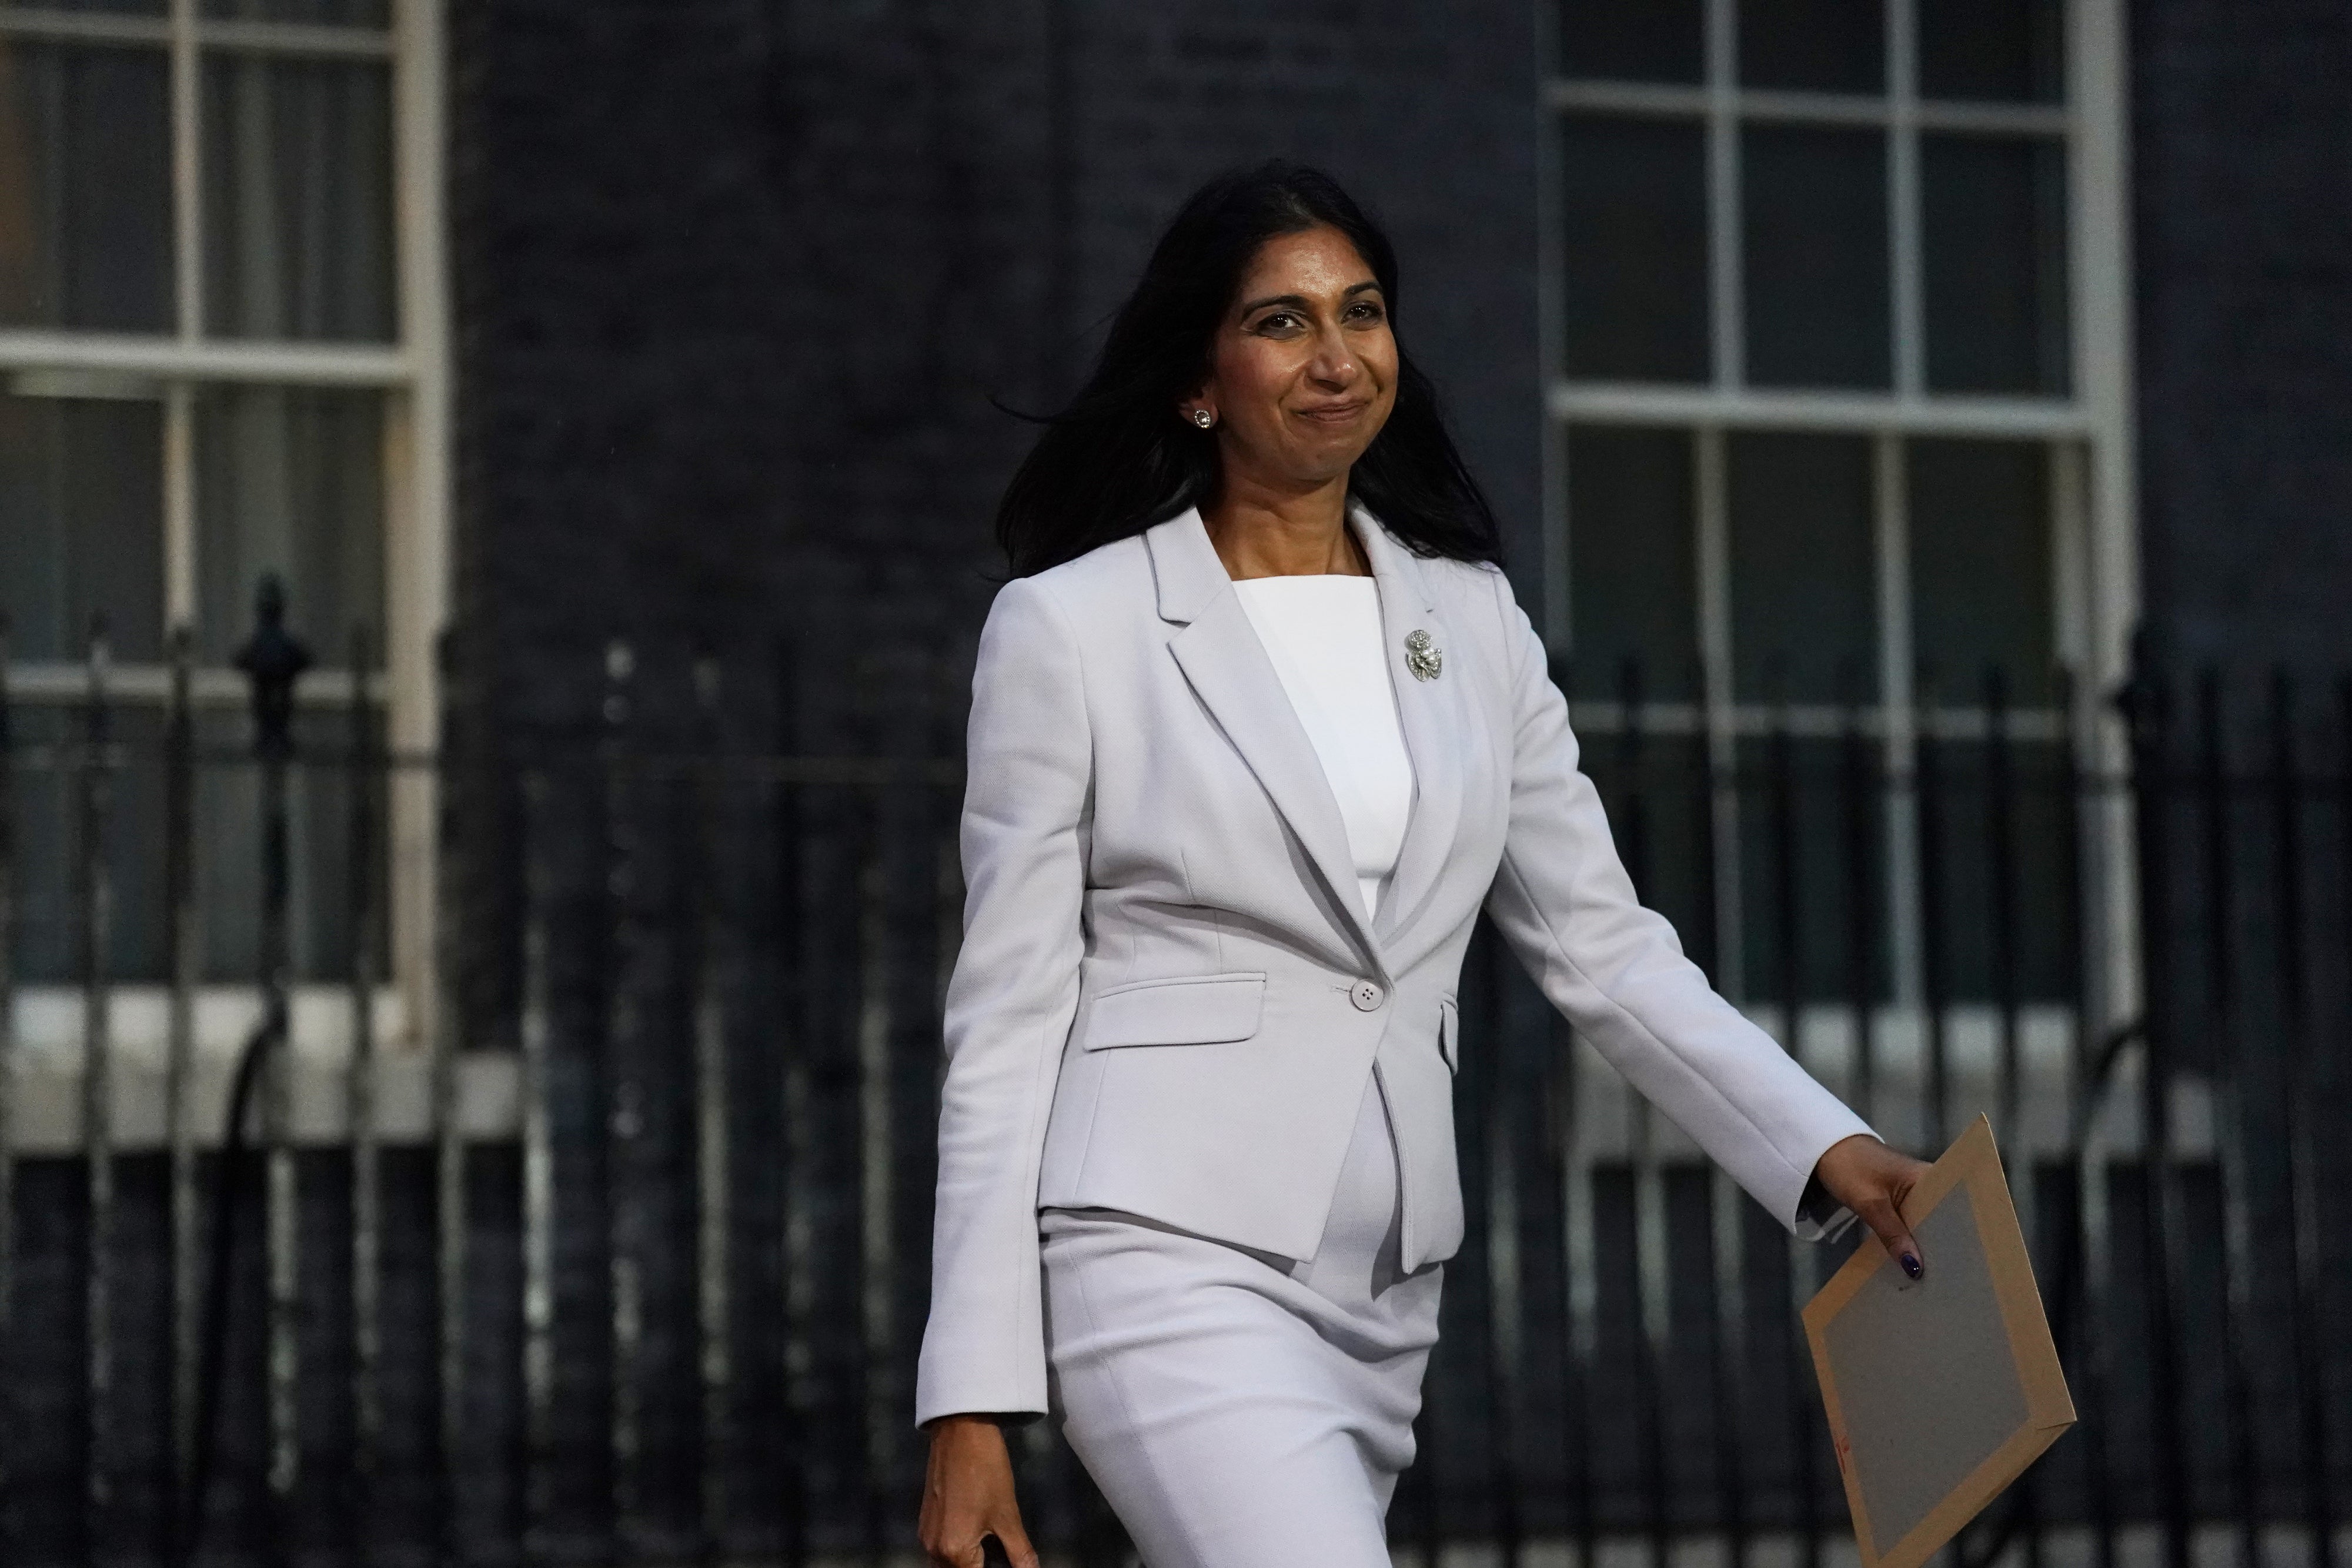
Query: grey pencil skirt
[[1237, 1409]]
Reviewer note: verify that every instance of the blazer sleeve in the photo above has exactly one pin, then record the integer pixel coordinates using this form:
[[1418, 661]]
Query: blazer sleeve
[[1009, 1008], [1617, 972]]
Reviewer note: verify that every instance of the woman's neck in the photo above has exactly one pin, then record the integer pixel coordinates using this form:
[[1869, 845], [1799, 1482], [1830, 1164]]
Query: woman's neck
[[1259, 531]]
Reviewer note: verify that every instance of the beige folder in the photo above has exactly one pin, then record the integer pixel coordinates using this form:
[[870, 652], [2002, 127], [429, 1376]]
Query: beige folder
[[1939, 1393]]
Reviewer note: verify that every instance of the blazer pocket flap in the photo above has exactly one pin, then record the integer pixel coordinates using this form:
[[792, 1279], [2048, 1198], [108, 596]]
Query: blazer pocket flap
[[1195, 1010]]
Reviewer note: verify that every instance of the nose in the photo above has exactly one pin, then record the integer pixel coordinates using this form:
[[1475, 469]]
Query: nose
[[1334, 366]]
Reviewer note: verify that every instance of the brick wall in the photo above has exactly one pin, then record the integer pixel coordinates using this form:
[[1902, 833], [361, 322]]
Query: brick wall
[[2242, 138], [738, 279], [738, 283]]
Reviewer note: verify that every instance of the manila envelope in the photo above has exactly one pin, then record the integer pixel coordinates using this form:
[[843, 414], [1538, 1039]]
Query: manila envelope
[[1939, 1394]]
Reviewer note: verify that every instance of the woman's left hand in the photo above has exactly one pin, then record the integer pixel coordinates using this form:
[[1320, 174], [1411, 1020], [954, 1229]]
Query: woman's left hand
[[1873, 1180]]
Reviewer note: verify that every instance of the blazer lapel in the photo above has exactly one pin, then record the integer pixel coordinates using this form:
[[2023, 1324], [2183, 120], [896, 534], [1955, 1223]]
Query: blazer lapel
[[1220, 654], [1430, 714]]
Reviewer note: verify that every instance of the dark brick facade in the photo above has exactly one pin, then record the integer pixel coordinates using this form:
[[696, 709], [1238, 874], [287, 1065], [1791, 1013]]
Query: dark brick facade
[[2243, 179], [738, 283], [740, 280]]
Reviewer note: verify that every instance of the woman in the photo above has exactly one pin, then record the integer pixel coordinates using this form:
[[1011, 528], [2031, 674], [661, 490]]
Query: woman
[[1257, 730]]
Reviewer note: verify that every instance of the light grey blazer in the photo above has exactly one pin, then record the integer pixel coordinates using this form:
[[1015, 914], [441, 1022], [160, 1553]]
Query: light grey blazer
[[1168, 996]]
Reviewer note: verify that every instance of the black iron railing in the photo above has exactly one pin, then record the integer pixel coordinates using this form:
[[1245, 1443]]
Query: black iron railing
[[620, 1254]]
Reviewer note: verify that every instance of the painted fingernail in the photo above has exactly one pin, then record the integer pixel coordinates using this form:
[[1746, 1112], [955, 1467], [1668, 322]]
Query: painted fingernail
[[1911, 1265]]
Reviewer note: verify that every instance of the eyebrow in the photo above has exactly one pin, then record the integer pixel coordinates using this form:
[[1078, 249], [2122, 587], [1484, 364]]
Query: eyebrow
[[1299, 299]]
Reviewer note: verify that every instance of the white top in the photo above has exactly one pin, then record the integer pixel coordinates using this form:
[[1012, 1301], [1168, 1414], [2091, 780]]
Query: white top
[[1323, 635]]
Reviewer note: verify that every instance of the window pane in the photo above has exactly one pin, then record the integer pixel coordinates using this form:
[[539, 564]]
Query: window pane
[[1804, 617], [228, 847], [1634, 216], [85, 187], [52, 897], [1812, 858], [290, 481], [81, 525], [1981, 591], [2000, 909], [1661, 805], [2000, 49], [117, 7], [1994, 228], [1632, 571], [1823, 46], [297, 186], [351, 13], [1657, 40], [1814, 216]]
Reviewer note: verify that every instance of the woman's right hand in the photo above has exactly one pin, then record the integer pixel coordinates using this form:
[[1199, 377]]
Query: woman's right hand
[[967, 1495]]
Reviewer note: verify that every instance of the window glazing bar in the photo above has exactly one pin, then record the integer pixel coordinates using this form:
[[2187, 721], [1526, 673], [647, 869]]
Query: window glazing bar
[[1727, 305], [1815, 721], [83, 26], [2100, 259], [179, 505], [309, 38], [1710, 463], [1551, 316], [1611, 402], [60, 682], [187, 173], [419, 487], [1898, 711], [165, 358], [188, 305], [1905, 260], [1669, 101], [305, 38]]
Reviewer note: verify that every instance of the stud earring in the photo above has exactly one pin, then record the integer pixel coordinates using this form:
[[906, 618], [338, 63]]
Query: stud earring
[[1204, 418]]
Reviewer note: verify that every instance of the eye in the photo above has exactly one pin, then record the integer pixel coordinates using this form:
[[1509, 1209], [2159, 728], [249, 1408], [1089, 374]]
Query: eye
[[1366, 311], [1277, 323]]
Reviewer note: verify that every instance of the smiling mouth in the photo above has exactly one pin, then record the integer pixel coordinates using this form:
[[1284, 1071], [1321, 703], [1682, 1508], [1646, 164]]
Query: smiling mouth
[[1333, 413]]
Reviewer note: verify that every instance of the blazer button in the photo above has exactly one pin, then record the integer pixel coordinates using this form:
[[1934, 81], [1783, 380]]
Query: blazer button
[[1367, 995]]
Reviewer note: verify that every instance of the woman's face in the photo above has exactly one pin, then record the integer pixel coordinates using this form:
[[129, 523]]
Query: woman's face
[[1302, 373]]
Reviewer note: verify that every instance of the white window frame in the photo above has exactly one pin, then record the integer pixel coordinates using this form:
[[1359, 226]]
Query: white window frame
[[413, 372], [2090, 430]]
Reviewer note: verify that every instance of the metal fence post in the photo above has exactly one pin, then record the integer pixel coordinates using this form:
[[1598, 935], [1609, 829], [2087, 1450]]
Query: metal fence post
[[2297, 1077], [713, 1165], [93, 809], [1927, 794], [182, 936], [2221, 1019], [363, 767], [273, 660], [1570, 1178], [2087, 1281], [1860, 792], [1493, 1191], [2002, 912], [2149, 712], [7, 1099], [538, 1187], [868, 1066], [623, 1094], [449, 1208], [794, 1151]]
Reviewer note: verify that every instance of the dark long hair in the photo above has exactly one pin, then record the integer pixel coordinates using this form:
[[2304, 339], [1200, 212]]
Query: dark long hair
[[1119, 459]]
